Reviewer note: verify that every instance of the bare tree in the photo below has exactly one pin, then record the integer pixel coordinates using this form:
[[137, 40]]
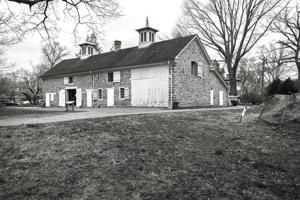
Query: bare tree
[[249, 74], [276, 64], [52, 53], [30, 85], [288, 25], [230, 27], [44, 16]]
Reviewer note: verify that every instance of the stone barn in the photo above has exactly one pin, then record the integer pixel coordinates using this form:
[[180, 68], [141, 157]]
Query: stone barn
[[175, 72]]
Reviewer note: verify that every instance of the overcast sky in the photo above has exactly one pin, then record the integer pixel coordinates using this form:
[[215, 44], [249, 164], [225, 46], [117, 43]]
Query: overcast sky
[[162, 16]]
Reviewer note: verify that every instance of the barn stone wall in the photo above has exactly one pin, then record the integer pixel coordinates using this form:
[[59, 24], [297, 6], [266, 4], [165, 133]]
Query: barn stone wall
[[90, 81], [101, 81], [190, 90]]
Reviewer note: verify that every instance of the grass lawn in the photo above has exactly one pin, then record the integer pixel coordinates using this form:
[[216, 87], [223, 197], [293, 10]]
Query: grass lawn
[[188, 155]]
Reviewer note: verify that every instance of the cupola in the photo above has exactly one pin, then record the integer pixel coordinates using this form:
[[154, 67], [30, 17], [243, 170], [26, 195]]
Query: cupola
[[89, 47], [146, 35]]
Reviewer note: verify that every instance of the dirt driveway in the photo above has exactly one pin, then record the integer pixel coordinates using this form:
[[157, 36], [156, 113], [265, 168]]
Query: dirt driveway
[[34, 115]]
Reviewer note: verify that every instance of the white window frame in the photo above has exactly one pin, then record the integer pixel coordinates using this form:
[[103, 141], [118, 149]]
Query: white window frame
[[120, 98], [101, 93]]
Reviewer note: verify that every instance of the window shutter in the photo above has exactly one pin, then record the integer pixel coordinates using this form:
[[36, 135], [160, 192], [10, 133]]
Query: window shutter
[[200, 72], [126, 93], [66, 80], [117, 76], [78, 97]]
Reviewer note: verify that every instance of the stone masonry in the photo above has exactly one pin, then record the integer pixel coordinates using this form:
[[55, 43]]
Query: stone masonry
[[90, 81], [190, 90]]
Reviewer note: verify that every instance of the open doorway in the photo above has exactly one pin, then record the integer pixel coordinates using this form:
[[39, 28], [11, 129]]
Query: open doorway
[[71, 95]]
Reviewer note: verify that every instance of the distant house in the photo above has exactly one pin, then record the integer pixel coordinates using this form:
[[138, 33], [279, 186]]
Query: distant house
[[176, 72]]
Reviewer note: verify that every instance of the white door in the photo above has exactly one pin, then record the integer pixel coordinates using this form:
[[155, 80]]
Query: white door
[[221, 97], [89, 98], [149, 86], [110, 96], [78, 97], [62, 98], [211, 97], [47, 99]]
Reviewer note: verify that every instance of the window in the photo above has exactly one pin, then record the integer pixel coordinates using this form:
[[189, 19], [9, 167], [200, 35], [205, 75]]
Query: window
[[70, 79], [121, 93], [92, 51], [150, 37], [110, 77], [145, 36], [100, 94], [194, 68], [114, 76]]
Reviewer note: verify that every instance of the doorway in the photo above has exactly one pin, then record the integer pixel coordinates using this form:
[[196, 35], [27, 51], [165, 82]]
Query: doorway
[[71, 95]]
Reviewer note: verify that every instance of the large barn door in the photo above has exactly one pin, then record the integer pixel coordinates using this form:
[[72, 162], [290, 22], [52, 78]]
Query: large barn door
[[62, 98], [150, 87]]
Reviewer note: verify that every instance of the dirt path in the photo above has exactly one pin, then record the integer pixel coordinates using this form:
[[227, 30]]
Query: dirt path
[[59, 114]]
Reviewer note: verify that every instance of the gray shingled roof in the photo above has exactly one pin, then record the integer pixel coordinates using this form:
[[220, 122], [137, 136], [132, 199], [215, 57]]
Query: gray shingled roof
[[154, 53]]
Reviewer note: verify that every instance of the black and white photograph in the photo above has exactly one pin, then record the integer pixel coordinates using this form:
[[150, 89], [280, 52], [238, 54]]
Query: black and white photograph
[[149, 99]]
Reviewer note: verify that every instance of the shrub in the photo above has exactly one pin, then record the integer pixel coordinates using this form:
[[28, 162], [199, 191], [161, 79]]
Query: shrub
[[256, 99], [288, 87], [252, 97], [278, 87], [274, 87]]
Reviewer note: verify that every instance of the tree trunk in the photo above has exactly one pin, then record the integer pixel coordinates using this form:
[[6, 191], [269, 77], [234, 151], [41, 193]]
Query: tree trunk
[[232, 83], [298, 82]]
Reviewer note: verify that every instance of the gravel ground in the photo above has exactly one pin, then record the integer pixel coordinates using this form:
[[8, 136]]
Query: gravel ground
[[14, 116]]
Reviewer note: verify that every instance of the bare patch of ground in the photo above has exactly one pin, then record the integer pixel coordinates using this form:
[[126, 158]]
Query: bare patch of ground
[[184, 155]]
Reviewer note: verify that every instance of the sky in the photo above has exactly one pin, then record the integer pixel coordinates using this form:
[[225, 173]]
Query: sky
[[162, 14]]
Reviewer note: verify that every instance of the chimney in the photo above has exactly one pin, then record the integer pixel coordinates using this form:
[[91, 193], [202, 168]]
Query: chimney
[[117, 45]]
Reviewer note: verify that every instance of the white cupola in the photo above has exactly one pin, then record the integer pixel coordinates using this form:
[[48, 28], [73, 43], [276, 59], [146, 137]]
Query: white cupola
[[146, 35], [89, 47]]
